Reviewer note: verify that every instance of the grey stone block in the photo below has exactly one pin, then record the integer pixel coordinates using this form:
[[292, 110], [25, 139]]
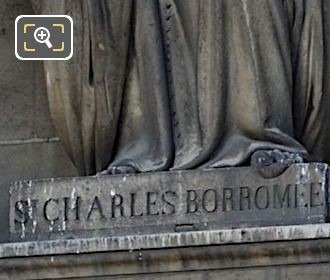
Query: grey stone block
[[166, 202], [28, 161], [24, 109], [16, 78], [280, 253], [43, 126]]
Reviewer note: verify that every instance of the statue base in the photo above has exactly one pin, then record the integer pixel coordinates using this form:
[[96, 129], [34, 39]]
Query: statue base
[[284, 252], [167, 202], [216, 224]]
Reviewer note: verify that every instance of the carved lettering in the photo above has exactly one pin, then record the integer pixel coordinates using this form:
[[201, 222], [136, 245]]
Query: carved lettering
[[315, 195], [21, 212], [299, 197], [209, 201], [134, 213], [198, 206], [151, 204], [244, 198], [50, 205], [192, 205], [96, 207], [281, 198], [169, 198], [228, 203], [70, 206], [117, 206], [261, 198]]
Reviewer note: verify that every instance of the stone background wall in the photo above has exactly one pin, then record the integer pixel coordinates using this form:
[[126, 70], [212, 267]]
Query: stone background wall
[[29, 147]]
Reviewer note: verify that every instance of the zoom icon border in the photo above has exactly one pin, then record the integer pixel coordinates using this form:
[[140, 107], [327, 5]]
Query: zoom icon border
[[43, 37]]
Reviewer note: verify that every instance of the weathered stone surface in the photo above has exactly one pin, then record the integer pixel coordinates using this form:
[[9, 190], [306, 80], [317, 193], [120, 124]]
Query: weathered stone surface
[[26, 161], [27, 146], [165, 240], [280, 253], [24, 112], [166, 202]]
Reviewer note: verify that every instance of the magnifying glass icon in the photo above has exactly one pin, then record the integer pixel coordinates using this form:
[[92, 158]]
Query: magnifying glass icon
[[42, 35]]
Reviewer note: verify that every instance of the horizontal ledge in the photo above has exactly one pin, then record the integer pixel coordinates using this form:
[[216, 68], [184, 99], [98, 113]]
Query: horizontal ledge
[[165, 240], [28, 141]]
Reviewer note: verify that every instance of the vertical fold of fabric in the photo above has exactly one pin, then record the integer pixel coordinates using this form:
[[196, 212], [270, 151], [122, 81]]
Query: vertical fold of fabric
[[85, 92], [307, 42], [145, 134]]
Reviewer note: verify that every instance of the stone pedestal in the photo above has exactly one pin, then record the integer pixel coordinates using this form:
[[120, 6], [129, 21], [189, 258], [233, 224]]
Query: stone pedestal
[[284, 252], [216, 224], [166, 202]]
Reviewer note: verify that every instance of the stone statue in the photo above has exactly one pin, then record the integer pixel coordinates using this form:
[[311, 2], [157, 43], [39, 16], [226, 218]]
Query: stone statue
[[182, 84]]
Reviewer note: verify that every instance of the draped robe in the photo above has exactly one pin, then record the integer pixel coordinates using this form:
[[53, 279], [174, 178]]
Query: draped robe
[[184, 84]]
